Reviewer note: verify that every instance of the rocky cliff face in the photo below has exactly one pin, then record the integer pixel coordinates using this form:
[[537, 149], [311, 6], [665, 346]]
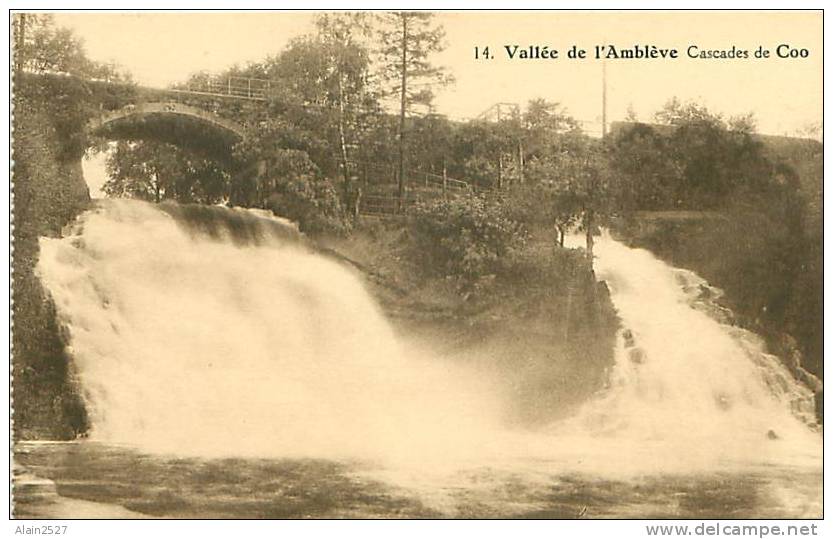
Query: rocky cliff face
[[49, 191]]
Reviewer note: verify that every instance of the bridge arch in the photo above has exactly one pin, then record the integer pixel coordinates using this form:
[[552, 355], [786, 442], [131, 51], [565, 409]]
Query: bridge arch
[[182, 125]]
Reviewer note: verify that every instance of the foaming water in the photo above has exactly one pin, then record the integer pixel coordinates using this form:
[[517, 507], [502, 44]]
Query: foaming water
[[213, 332], [687, 390], [220, 334]]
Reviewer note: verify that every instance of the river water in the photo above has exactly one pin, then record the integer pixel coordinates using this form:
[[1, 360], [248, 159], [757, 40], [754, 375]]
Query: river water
[[231, 372]]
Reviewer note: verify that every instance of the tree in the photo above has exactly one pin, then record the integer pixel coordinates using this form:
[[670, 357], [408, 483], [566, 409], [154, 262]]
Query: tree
[[465, 238], [320, 100], [349, 63], [717, 159], [544, 205], [676, 113], [576, 169], [482, 148], [156, 171], [44, 48], [408, 39], [543, 122], [646, 175], [810, 130], [431, 137], [315, 121], [295, 189], [53, 70]]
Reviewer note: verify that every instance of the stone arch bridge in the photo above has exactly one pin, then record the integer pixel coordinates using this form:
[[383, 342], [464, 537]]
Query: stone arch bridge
[[194, 128]]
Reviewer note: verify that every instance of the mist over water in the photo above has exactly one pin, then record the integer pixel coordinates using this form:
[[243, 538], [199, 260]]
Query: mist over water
[[688, 390], [214, 332], [218, 334]]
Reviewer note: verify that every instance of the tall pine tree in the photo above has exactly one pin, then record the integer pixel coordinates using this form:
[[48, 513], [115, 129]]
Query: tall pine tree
[[408, 39]]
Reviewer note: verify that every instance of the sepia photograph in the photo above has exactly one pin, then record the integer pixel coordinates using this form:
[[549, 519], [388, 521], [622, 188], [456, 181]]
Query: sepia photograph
[[386, 264]]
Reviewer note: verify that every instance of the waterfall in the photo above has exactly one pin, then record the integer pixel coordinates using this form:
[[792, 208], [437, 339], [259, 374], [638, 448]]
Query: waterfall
[[211, 331], [687, 387], [216, 332]]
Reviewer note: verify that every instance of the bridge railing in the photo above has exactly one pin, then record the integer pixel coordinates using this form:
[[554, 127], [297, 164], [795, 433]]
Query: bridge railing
[[240, 87]]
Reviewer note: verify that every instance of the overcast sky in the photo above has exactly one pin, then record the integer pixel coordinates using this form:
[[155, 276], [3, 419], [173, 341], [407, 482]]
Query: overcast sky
[[785, 95]]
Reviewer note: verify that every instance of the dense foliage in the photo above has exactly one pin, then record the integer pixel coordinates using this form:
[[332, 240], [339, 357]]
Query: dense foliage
[[466, 239], [690, 159], [294, 188], [51, 67], [155, 171], [764, 245]]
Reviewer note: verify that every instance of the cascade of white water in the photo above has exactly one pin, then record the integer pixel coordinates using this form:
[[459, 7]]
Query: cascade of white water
[[218, 333], [685, 381], [209, 339]]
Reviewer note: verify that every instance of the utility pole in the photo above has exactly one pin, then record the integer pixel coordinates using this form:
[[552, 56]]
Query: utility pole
[[604, 99]]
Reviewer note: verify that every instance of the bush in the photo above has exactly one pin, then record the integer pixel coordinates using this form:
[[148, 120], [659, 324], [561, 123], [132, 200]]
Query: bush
[[293, 187], [466, 239], [311, 202], [545, 265]]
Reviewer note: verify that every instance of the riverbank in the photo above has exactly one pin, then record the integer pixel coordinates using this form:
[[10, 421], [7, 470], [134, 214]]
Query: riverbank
[[36, 497]]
